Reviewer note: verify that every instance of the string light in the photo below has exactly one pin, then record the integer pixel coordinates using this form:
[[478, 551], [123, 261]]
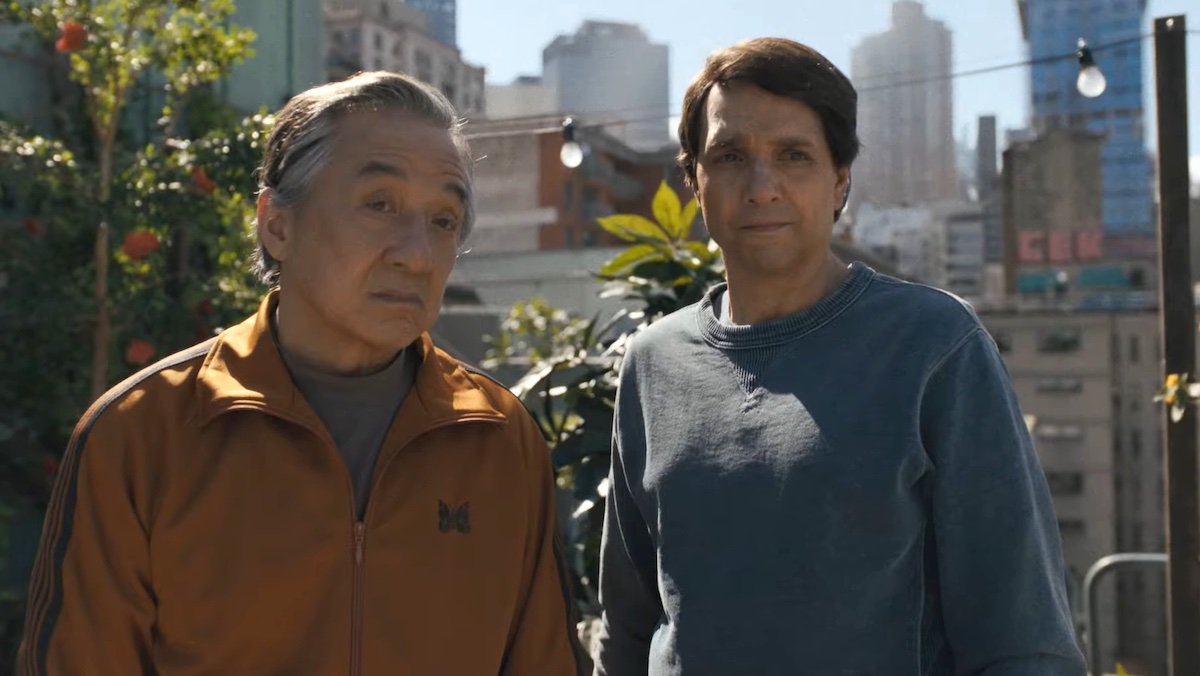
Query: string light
[[572, 151], [1091, 82]]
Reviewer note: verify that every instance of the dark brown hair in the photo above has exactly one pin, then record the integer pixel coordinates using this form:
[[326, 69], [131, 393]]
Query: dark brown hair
[[782, 67]]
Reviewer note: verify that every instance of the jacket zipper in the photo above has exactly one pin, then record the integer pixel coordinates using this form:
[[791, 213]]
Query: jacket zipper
[[360, 531], [357, 602], [360, 526]]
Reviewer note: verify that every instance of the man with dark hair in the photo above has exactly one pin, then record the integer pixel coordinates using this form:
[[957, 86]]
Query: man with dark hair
[[817, 469], [318, 490]]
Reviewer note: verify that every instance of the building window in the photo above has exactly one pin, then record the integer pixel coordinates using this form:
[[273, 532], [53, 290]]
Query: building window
[[378, 40], [1060, 385], [1059, 431], [1135, 444], [1135, 351], [1135, 398], [1058, 341], [1065, 483]]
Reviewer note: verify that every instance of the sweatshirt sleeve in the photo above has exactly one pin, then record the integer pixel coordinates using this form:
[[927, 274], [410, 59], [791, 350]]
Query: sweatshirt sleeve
[[90, 604], [999, 555], [628, 569], [544, 640]]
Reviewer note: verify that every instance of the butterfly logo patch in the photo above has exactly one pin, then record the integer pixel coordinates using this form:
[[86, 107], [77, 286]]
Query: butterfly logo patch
[[454, 518]]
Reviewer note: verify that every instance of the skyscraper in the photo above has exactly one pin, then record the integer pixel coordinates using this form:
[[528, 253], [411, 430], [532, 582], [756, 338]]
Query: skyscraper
[[987, 188], [612, 72], [905, 112], [443, 19], [395, 35], [1112, 28]]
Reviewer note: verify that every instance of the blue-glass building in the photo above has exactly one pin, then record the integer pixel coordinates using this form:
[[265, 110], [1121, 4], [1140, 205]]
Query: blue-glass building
[[1052, 28], [443, 19]]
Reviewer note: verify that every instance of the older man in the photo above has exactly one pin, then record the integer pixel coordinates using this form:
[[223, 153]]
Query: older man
[[818, 469], [318, 490]]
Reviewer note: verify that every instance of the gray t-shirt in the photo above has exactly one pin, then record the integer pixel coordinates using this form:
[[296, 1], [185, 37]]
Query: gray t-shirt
[[357, 410]]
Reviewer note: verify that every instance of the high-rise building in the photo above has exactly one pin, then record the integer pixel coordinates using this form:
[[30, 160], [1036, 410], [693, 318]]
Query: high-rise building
[[1112, 28], [1052, 217], [987, 178], [1086, 382], [612, 73], [988, 194], [905, 112], [395, 35], [443, 19]]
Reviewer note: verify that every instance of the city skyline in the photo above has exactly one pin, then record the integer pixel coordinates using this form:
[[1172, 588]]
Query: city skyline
[[508, 38]]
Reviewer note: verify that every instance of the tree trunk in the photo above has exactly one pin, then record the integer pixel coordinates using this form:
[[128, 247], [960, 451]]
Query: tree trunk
[[102, 335]]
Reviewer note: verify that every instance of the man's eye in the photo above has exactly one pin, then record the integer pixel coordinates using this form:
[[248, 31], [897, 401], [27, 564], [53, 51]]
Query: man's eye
[[380, 204], [449, 223], [728, 156], [798, 155]]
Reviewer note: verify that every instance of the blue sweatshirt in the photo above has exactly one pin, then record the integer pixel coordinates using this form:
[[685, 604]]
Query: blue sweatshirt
[[847, 490]]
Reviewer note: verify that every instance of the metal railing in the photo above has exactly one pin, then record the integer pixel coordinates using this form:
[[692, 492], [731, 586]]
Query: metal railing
[[1099, 568]]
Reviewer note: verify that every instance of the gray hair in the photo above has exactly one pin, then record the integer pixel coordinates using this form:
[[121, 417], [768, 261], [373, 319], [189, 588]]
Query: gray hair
[[301, 142]]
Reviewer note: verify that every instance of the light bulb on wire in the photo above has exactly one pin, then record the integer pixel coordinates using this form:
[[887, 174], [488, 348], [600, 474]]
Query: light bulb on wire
[[1091, 82], [572, 151]]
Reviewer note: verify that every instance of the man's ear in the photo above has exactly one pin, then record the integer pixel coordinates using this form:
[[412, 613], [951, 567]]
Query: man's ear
[[842, 188], [274, 226]]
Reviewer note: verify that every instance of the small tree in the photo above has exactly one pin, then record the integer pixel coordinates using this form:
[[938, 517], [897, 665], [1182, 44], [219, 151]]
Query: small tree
[[571, 365], [110, 45]]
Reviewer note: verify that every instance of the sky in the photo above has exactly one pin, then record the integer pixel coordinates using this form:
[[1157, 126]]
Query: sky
[[507, 37]]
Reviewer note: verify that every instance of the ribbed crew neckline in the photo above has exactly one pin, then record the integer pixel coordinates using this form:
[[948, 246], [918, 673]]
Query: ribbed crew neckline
[[785, 329]]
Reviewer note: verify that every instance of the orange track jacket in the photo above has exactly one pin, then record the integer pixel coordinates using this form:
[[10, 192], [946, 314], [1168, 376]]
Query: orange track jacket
[[203, 523]]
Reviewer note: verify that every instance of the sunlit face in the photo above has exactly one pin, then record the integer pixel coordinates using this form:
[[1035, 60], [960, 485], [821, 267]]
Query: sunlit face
[[766, 182], [365, 256]]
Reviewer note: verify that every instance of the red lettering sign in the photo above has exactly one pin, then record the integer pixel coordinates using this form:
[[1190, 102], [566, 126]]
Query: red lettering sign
[[1031, 246], [1089, 245], [1060, 246]]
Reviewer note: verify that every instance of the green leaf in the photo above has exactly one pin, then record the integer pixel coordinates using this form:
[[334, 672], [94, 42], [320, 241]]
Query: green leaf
[[633, 228], [627, 258], [666, 209], [664, 272], [689, 215]]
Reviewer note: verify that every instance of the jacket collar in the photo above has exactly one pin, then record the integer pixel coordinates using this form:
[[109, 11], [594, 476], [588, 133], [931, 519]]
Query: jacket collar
[[245, 371]]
